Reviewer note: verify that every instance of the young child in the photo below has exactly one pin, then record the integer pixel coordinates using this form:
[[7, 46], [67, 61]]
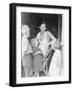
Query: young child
[[26, 52], [37, 58], [55, 65]]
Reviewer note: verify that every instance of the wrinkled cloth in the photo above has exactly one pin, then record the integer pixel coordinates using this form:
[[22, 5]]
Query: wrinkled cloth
[[37, 63], [44, 43], [55, 66], [26, 56], [27, 64]]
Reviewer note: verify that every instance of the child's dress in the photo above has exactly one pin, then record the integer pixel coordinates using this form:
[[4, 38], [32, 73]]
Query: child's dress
[[37, 60], [26, 56], [55, 65]]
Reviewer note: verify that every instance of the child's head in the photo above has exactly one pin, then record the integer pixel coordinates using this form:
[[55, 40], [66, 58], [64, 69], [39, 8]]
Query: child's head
[[57, 45], [25, 31], [33, 42]]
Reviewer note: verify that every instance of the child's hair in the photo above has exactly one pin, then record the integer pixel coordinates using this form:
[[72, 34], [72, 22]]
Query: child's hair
[[25, 28]]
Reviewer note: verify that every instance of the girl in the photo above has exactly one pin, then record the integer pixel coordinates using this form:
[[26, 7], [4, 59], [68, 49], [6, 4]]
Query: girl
[[26, 52], [56, 62], [37, 58]]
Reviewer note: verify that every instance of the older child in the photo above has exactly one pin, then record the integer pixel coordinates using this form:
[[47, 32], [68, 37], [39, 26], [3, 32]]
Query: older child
[[37, 58], [26, 52]]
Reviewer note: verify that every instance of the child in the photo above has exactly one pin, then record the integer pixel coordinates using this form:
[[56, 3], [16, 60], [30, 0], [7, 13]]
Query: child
[[26, 52], [55, 65], [37, 58]]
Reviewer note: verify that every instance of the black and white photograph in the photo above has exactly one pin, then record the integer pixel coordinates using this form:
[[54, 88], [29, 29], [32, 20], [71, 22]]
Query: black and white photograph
[[41, 44]]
